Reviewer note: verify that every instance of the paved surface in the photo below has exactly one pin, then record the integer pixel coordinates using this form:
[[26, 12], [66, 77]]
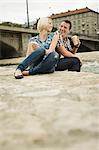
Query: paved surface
[[56, 111]]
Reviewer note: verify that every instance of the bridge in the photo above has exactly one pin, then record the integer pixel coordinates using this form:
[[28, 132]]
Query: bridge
[[14, 41], [88, 44]]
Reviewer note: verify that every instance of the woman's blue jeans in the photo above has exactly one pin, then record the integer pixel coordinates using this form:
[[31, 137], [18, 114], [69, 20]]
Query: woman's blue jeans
[[39, 63]]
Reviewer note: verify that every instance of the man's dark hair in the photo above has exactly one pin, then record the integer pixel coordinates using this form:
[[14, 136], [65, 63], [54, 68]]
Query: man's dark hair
[[69, 22]]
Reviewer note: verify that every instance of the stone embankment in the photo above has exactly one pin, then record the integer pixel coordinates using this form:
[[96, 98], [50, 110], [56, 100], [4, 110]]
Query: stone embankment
[[58, 111]]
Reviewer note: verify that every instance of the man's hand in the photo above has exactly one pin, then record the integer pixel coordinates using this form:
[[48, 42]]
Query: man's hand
[[76, 41]]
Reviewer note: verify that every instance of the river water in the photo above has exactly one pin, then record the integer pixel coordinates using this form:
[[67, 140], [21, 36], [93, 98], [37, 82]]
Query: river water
[[91, 67], [86, 67]]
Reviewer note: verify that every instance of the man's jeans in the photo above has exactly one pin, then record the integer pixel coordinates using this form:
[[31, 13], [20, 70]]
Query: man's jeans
[[68, 63], [38, 62]]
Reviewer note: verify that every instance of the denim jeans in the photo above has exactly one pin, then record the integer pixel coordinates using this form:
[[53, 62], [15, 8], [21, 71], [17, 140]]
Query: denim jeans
[[68, 63], [47, 65], [38, 62]]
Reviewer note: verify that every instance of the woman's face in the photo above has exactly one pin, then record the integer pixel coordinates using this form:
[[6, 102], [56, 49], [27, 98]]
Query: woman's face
[[50, 25]]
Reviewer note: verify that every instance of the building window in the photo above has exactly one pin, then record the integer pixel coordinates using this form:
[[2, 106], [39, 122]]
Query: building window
[[78, 21], [83, 31], [74, 22], [87, 32], [74, 28], [78, 27], [74, 17], [87, 26], [83, 25]]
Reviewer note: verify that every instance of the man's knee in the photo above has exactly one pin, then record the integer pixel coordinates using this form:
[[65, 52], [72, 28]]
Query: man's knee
[[76, 61]]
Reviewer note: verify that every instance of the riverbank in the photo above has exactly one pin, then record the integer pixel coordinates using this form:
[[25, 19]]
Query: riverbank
[[56, 111], [85, 57]]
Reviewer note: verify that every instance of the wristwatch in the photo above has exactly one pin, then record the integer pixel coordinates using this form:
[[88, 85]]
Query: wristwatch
[[76, 46]]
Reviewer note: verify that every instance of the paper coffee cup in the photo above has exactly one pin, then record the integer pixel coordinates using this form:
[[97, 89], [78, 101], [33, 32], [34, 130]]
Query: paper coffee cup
[[75, 39]]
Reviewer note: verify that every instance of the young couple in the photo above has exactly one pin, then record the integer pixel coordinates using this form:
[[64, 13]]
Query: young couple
[[45, 51]]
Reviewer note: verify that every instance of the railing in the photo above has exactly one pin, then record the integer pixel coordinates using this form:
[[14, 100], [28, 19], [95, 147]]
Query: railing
[[17, 29], [85, 35]]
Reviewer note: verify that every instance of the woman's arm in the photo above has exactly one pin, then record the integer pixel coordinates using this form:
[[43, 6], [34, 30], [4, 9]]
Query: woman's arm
[[53, 43], [31, 47]]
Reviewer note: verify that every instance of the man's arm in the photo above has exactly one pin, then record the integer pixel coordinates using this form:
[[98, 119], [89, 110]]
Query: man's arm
[[75, 49], [76, 44], [63, 51]]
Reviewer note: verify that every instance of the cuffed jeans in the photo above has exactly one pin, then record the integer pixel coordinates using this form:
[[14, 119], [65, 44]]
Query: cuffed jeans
[[39, 63], [68, 63]]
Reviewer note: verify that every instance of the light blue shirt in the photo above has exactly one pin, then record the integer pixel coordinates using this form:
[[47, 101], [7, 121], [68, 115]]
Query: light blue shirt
[[44, 44]]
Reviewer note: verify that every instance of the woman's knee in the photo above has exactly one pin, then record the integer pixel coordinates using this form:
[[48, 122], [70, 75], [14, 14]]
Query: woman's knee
[[54, 56], [39, 51]]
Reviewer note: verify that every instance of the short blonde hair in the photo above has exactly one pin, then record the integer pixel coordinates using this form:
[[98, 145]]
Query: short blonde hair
[[42, 24]]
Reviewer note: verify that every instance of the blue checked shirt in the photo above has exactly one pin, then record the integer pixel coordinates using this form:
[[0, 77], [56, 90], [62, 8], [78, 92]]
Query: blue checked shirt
[[44, 44]]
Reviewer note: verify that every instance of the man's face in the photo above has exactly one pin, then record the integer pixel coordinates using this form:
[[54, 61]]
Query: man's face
[[64, 29]]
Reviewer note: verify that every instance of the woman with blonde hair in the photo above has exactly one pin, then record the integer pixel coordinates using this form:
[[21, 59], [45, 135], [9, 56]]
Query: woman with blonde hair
[[41, 56]]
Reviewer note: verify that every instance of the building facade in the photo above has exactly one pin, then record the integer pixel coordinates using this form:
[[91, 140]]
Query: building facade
[[84, 21]]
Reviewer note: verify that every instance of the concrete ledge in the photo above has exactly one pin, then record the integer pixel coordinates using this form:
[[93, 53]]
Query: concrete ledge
[[17, 29], [11, 61], [85, 57]]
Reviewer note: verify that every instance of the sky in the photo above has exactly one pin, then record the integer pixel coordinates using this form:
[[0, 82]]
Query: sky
[[15, 10]]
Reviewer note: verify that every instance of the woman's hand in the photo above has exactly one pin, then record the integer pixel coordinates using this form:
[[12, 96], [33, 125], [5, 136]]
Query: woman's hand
[[53, 43], [32, 46], [57, 35], [35, 45], [47, 51]]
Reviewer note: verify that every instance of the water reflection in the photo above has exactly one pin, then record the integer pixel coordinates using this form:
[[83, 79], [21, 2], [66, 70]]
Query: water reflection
[[86, 67], [91, 67]]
